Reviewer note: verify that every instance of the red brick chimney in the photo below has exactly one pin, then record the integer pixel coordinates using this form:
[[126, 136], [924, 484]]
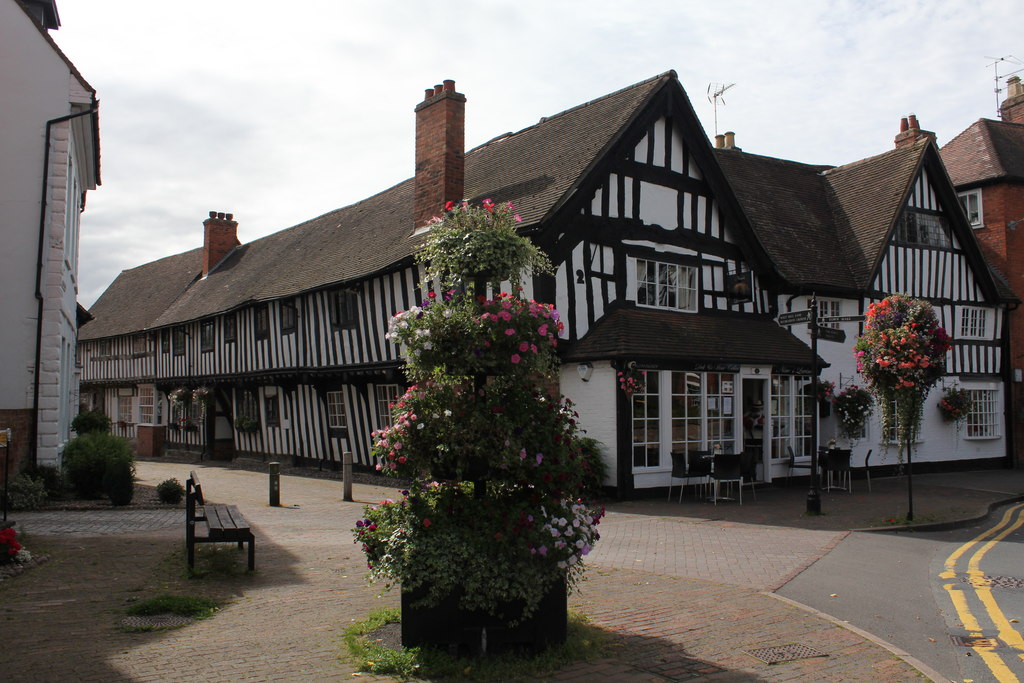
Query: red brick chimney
[[1012, 108], [220, 236], [440, 151], [910, 132]]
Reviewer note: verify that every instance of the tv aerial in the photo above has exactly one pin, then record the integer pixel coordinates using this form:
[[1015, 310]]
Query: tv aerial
[[715, 92], [1013, 61]]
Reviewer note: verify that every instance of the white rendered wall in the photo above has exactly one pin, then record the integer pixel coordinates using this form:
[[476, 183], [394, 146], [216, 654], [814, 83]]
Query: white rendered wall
[[595, 402]]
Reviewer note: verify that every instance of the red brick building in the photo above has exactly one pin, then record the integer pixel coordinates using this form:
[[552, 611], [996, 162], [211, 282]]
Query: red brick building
[[986, 164]]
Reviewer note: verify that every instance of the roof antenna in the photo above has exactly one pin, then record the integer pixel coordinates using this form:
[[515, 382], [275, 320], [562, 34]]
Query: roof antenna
[[995, 66], [715, 92]]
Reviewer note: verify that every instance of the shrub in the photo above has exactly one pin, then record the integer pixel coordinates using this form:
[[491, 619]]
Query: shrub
[[86, 458], [52, 478], [90, 421], [119, 479], [594, 467], [170, 491], [25, 493]]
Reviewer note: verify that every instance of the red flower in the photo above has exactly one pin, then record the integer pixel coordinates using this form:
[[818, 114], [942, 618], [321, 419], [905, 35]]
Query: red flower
[[426, 523], [449, 205]]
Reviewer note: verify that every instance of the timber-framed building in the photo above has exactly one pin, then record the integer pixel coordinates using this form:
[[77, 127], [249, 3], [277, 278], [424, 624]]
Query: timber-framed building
[[674, 258]]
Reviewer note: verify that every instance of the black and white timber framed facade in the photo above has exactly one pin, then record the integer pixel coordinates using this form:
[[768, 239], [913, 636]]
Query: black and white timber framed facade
[[673, 260]]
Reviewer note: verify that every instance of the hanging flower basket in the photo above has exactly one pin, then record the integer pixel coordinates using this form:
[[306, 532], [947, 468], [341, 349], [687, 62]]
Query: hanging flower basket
[[853, 407], [631, 380], [177, 396], [955, 404]]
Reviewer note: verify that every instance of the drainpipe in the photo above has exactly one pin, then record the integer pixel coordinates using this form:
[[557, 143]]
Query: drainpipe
[[33, 442]]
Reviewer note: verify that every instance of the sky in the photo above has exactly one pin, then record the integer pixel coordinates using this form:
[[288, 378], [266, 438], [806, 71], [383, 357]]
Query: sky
[[280, 112]]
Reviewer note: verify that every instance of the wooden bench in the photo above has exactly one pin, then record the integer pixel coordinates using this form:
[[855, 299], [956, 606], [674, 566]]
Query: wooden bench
[[221, 523]]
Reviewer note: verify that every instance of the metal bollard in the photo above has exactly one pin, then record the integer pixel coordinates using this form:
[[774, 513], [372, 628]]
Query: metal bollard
[[275, 484], [346, 473]]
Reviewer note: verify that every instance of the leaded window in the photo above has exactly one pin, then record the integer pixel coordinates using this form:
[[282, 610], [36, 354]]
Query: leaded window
[[666, 285], [919, 227]]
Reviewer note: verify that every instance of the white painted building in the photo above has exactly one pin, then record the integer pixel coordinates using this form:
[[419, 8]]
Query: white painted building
[[49, 158]]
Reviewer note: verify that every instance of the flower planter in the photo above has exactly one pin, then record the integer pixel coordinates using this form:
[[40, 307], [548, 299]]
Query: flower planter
[[448, 626]]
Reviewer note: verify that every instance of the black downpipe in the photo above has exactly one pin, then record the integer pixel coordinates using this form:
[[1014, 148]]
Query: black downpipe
[[33, 439]]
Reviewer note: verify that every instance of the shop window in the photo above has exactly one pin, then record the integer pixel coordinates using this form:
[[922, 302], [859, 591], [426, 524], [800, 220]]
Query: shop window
[[792, 411]]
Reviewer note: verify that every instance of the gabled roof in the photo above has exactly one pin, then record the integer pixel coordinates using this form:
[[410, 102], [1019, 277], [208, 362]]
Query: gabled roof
[[824, 226], [986, 151], [535, 168]]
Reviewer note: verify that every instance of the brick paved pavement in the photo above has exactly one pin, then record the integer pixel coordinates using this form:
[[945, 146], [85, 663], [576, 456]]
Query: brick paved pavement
[[681, 594]]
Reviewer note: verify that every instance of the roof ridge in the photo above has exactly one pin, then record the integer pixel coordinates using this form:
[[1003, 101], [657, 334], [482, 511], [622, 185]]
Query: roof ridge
[[671, 73], [917, 148], [792, 162]]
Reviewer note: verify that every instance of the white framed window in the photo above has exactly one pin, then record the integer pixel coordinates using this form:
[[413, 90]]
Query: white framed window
[[791, 412], [666, 285], [337, 417], [682, 411], [126, 409], [983, 419], [973, 322], [386, 395], [147, 397], [829, 308], [971, 204]]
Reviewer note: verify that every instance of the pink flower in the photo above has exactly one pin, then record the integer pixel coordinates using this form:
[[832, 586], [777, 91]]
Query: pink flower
[[524, 347], [516, 358], [510, 332], [543, 330]]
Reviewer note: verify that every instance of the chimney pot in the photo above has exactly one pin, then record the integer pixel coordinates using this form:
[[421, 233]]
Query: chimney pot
[[449, 85], [428, 94], [438, 88], [904, 125], [213, 214], [912, 120], [719, 141], [730, 139]]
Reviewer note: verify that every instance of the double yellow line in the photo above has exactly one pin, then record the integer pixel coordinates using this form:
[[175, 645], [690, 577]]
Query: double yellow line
[[1012, 520]]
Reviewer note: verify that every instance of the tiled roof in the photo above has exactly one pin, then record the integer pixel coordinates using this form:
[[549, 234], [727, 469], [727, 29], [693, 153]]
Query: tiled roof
[[640, 334], [866, 197], [823, 226], [986, 150], [138, 296], [536, 168]]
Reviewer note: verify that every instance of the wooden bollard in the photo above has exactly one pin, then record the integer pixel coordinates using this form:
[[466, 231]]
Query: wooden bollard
[[346, 474]]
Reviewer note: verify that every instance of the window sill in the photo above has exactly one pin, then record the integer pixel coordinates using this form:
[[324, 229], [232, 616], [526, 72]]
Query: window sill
[[992, 437]]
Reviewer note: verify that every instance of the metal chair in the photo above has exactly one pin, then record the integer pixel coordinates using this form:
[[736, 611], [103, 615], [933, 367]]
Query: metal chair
[[748, 472], [793, 465], [726, 469], [698, 466], [836, 463], [678, 472]]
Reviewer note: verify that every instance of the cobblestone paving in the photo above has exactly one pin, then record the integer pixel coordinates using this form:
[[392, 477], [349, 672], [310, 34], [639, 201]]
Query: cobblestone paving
[[673, 615]]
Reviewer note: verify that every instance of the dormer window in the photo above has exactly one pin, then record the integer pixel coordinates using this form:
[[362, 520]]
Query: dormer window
[[666, 285], [924, 228]]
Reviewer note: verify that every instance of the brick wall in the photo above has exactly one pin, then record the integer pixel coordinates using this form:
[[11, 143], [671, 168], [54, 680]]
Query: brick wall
[[20, 424]]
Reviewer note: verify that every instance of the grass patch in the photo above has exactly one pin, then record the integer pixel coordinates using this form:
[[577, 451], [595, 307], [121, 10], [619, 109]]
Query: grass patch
[[584, 642], [181, 605]]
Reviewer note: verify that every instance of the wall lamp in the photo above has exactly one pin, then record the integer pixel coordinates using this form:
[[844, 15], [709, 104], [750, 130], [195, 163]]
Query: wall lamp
[[585, 370]]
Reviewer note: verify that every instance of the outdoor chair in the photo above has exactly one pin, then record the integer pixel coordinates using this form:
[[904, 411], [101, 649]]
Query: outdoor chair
[[836, 464], [698, 466], [748, 471], [678, 472], [726, 469], [794, 465]]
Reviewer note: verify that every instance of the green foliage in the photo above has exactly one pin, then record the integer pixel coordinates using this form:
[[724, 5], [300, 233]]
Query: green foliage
[[170, 491], [25, 493], [182, 605], [90, 421], [86, 458], [244, 423], [52, 478], [119, 479], [480, 241], [584, 642], [593, 467]]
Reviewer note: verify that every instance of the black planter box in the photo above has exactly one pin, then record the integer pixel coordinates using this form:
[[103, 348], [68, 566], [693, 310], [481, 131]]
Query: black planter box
[[447, 626]]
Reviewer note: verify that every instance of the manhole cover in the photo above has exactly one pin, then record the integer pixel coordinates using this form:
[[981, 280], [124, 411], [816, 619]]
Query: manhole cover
[[987, 581], [974, 641], [784, 653], [157, 621]]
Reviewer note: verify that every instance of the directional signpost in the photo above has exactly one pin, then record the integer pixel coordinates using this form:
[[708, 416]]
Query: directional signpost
[[810, 317]]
